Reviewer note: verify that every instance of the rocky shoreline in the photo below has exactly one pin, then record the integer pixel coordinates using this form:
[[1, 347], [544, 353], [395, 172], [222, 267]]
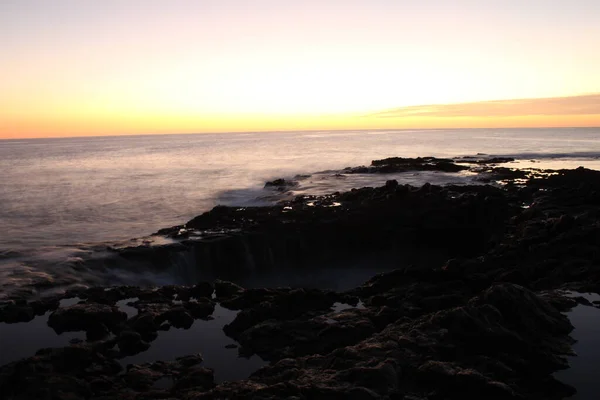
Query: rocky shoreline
[[473, 309]]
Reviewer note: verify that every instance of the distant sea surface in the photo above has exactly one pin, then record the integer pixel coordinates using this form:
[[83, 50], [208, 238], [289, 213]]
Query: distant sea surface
[[60, 197]]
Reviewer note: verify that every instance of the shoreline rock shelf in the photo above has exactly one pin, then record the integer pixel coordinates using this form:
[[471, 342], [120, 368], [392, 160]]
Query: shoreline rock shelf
[[473, 309]]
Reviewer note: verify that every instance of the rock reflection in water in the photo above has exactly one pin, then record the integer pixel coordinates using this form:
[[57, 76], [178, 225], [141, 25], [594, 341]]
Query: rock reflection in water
[[24, 339], [206, 338]]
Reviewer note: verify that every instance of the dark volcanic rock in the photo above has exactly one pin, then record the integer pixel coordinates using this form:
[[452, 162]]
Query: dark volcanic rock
[[55, 374], [275, 340], [400, 164], [197, 378], [251, 297], [202, 308], [202, 289], [131, 343], [473, 310], [483, 160], [502, 174], [421, 226], [281, 184], [224, 289], [179, 317], [502, 344], [143, 323], [14, 313], [285, 305], [40, 307], [96, 332], [81, 317]]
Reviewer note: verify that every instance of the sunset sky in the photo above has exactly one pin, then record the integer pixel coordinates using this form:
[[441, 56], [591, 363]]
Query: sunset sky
[[105, 67]]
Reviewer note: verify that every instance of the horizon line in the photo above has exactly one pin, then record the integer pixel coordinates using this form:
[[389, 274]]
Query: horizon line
[[297, 130]]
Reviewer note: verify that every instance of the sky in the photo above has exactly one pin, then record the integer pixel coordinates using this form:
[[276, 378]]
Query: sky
[[89, 67]]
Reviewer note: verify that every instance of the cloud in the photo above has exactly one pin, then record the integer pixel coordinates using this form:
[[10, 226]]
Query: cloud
[[574, 105]]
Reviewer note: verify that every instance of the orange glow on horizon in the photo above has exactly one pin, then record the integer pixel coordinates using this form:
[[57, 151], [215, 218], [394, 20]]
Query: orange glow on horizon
[[97, 124], [81, 68]]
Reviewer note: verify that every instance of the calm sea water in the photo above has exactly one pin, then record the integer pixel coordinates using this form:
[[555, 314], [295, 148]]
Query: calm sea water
[[58, 197]]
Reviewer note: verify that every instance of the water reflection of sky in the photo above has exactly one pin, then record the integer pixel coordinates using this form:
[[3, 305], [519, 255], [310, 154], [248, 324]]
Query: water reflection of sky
[[559, 163], [206, 338], [23, 340], [583, 373]]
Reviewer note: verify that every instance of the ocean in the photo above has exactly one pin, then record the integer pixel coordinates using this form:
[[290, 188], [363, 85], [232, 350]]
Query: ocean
[[62, 201]]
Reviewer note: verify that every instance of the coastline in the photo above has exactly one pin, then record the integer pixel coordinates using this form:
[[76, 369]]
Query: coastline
[[472, 310]]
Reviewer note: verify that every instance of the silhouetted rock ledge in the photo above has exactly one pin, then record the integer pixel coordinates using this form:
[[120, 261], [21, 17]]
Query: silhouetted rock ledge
[[474, 308], [401, 164]]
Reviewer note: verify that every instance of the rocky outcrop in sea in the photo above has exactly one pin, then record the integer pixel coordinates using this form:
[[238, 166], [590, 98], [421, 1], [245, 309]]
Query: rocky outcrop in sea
[[473, 308]]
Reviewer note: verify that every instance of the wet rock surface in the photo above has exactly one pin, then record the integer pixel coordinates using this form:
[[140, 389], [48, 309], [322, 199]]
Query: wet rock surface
[[281, 185], [474, 308]]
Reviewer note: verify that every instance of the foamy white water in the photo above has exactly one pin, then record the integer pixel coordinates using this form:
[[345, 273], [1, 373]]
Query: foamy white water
[[62, 198]]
